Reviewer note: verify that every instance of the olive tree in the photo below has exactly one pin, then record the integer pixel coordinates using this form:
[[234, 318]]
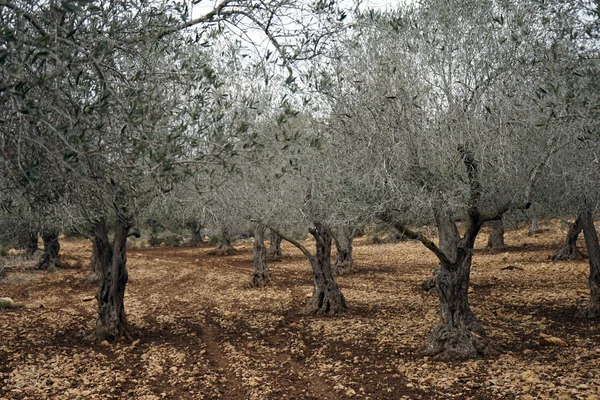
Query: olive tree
[[446, 111]]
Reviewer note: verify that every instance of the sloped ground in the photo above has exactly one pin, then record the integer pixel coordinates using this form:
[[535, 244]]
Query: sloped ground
[[200, 332]]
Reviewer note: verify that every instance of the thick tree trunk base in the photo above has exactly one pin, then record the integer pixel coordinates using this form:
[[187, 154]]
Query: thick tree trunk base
[[326, 302], [344, 267], [452, 344], [223, 251], [197, 239], [567, 253], [260, 281], [592, 311], [50, 259], [569, 250]]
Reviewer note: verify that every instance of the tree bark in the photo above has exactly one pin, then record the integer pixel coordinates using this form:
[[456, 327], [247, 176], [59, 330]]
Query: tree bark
[[344, 263], [458, 335], [569, 250], [448, 236], [593, 249], [224, 248], [50, 259], [447, 232], [274, 250], [196, 229], [327, 297], [95, 266], [261, 276], [112, 323], [496, 238]]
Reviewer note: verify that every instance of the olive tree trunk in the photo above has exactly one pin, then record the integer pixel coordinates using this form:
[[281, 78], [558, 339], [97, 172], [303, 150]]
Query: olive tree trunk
[[112, 322], [274, 250], [196, 228], [50, 259], [448, 237], [224, 248], [593, 249], [95, 266], [344, 263], [569, 250], [261, 275], [327, 297], [496, 238], [458, 334]]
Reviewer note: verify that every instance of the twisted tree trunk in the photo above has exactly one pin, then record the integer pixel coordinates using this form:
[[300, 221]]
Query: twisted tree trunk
[[112, 322], [458, 334], [496, 238], [274, 250], [344, 263], [593, 249], [327, 297], [50, 259], [261, 275], [569, 250]]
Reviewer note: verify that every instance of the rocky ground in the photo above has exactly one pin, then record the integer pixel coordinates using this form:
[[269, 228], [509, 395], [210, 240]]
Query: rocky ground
[[198, 331]]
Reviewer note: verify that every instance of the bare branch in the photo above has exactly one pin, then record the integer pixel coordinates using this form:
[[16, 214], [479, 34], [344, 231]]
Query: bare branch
[[387, 217], [303, 249]]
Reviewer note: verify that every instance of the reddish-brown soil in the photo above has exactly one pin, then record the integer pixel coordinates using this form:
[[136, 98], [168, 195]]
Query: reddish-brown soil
[[199, 331]]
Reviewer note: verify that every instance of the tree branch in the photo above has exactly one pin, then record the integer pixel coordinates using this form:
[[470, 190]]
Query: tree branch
[[387, 217], [208, 17], [303, 249]]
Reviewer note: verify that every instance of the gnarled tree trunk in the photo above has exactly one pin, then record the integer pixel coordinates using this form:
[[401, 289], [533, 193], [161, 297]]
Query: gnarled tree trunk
[[261, 275], [496, 238], [593, 249], [327, 297], [224, 248], [569, 250], [344, 263], [50, 259], [274, 250], [112, 322], [458, 334]]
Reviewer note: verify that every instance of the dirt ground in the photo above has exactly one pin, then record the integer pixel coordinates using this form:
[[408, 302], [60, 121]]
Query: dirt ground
[[198, 331]]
